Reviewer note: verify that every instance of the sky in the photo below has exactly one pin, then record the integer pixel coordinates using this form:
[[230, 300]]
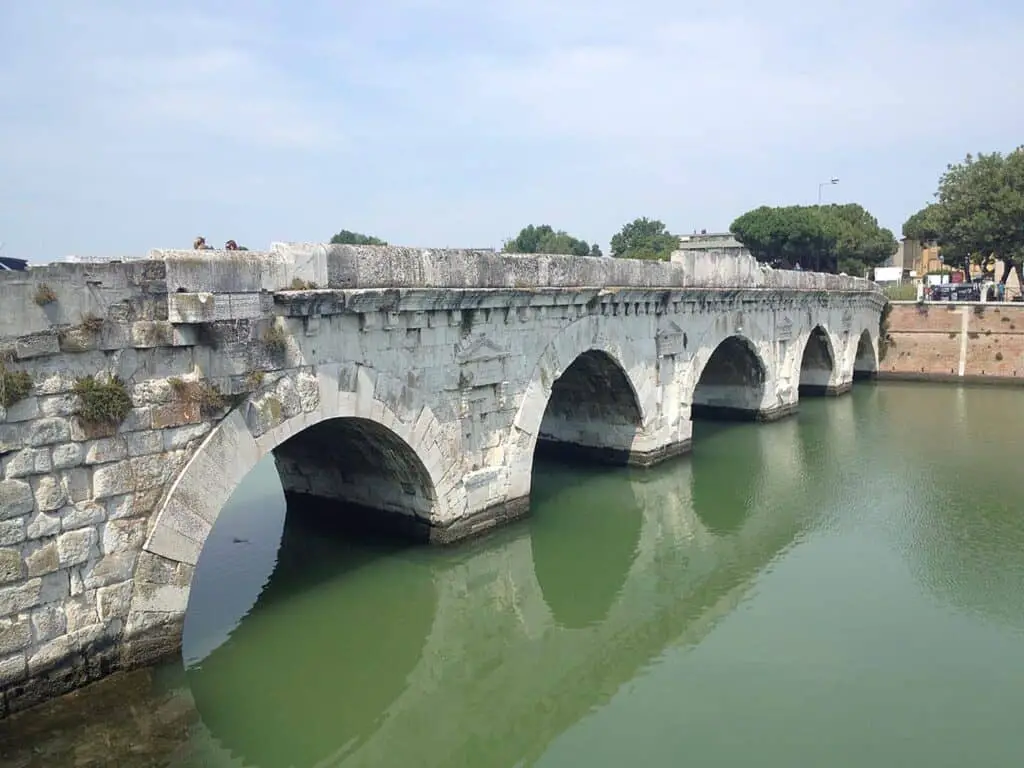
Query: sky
[[133, 125]]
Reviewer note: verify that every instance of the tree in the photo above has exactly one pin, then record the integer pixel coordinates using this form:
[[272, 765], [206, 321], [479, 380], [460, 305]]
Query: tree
[[644, 239], [345, 237], [545, 239], [827, 238], [595, 251], [979, 211], [923, 226]]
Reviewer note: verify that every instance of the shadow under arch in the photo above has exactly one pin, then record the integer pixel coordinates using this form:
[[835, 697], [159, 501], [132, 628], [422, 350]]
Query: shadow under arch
[[382, 482], [592, 414], [584, 535], [865, 361], [310, 672], [731, 385], [817, 364]]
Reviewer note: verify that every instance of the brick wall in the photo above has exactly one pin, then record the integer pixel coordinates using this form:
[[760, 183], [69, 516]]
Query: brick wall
[[959, 341]]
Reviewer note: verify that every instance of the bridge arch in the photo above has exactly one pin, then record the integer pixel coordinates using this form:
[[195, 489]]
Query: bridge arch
[[865, 356], [354, 426], [817, 364], [730, 381], [590, 389]]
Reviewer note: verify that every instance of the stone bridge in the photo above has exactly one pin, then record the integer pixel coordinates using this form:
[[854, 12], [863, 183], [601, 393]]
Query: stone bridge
[[412, 385]]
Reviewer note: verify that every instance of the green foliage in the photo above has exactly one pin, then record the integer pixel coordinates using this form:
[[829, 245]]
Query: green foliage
[[923, 225], [595, 251], [345, 237], [275, 339], [979, 210], [826, 238], [105, 403], [644, 239], [14, 386], [298, 284], [546, 239], [202, 393]]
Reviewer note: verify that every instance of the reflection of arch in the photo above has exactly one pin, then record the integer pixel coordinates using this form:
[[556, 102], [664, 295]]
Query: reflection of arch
[[726, 475], [817, 365], [584, 545], [731, 385], [344, 622], [230, 451], [592, 412]]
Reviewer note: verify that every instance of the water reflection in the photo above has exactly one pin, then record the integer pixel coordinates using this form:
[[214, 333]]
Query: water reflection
[[325, 651], [361, 652], [583, 540]]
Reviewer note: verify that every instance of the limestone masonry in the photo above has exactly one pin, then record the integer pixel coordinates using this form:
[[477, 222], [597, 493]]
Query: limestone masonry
[[413, 385]]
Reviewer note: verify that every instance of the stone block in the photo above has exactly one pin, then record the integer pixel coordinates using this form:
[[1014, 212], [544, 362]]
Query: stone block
[[77, 484], [81, 611], [47, 431], [180, 437], [50, 654], [10, 566], [112, 602], [23, 410], [12, 669], [37, 345], [15, 634], [109, 569], [76, 547], [15, 498], [12, 531], [175, 415], [35, 591], [42, 524], [48, 622], [145, 443], [49, 493], [124, 535], [67, 455], [112, 480], [82, 515], [42, 558], [106, 450], [27, 461]]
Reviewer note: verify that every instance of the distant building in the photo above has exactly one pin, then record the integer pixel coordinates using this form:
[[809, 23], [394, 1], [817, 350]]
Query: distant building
[[714, 242]]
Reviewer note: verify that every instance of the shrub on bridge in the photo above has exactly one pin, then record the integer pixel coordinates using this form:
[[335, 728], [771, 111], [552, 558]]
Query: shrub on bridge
[[202, 393], [103, 403], [14, 386]]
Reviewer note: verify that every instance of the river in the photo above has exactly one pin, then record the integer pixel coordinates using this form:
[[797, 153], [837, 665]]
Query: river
[[842, 588]]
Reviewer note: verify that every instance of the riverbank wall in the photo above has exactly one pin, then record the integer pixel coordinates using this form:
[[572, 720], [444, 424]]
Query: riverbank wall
[[966, 342]]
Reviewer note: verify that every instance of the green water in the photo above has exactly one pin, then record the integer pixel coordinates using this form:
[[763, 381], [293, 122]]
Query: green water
[[844, 588]]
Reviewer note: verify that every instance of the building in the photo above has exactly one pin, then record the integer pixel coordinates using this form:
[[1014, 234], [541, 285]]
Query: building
[[715, 242]]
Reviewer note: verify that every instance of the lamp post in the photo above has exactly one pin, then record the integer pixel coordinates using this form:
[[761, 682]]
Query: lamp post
[[833, 180]]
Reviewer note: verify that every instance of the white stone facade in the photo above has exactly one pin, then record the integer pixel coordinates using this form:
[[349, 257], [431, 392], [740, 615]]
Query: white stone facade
[[414, 383]]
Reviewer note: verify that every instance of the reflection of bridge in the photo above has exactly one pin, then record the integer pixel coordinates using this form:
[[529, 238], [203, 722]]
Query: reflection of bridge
[[483, 651]]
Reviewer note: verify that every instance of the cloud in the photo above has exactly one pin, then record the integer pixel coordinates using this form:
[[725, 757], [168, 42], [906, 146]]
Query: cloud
[[447, 121]]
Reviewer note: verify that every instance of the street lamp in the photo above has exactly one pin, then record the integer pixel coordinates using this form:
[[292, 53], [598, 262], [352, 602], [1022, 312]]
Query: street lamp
[[833, 180]]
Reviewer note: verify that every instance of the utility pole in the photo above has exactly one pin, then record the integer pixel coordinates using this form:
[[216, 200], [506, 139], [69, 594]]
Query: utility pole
[[833, 180]]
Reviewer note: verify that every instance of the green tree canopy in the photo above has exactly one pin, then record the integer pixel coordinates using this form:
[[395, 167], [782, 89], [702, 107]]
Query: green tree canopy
[[829, 238], [979, 210], [644, 239], [546, 239], [923, 225], [345, 237]]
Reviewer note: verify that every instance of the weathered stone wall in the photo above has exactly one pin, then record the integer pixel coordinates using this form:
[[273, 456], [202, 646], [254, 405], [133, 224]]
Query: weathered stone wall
[[955, 342], [416, 384]]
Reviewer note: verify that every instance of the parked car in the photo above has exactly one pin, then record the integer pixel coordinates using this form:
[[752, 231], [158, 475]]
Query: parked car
[[953, 292], [10, 264]]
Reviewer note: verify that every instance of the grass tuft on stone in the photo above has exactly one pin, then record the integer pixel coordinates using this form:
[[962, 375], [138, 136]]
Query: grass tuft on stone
[[45, 295], [202, 393], [103, 403], [275, 340], [14, 386]]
